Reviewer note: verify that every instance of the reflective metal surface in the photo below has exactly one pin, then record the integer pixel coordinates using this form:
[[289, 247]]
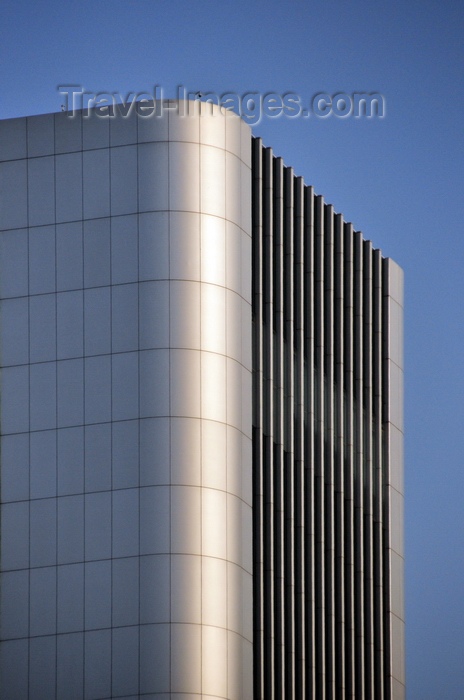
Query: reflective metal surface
[[127, 427]]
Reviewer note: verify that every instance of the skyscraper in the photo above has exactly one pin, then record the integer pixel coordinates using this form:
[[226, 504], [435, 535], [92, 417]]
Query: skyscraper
[[201, 420]]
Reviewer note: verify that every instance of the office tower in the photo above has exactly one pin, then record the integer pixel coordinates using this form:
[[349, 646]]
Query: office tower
[[201, 420]]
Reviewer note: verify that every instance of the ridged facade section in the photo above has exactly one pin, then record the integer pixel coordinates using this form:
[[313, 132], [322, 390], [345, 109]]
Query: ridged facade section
[[327, 421]]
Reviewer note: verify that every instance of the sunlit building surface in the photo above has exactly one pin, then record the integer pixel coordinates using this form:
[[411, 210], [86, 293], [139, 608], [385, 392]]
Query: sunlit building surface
[[201, 421]]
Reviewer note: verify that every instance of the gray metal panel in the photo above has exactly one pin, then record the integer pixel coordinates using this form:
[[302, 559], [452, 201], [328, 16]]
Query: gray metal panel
[[349, 427], [259, 511], [319, 449], [279, 423], [368, 467], [378, 485], [13, 139], [288, 352], [309, 454], [329, 437], [268, 436], [339, 462], [393, 407], [300, 505]]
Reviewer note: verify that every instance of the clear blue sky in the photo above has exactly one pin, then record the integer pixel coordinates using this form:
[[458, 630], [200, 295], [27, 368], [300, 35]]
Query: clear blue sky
[[398, 179]]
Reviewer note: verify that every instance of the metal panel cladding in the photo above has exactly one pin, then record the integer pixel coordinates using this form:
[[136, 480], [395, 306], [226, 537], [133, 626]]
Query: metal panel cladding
[[327, 417]]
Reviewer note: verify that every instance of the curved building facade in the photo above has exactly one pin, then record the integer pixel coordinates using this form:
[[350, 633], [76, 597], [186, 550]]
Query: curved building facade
[[201, 428]]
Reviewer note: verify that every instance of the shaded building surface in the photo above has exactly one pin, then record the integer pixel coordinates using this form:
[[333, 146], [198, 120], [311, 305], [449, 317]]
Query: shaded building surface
[[327, 460], [201, 420]]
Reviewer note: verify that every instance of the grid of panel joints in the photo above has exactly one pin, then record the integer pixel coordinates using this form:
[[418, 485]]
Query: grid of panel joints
[[321, 580], [43, 492], [76, 290]]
